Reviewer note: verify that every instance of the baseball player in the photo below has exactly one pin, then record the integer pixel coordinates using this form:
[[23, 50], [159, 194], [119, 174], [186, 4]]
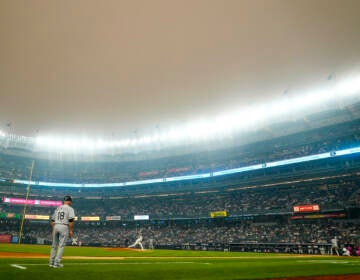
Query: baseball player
[[138, 242], [74, 241], [151, 244], [334, 246], [62, 223]]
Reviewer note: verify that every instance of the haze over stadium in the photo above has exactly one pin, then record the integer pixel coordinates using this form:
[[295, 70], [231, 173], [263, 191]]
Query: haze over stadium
[[127, 69]]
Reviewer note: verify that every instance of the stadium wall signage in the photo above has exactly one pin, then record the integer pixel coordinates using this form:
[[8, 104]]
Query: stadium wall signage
[[218, 214], [12, 200], [5, 238], [306, 208], [113, 218], [141, 217]]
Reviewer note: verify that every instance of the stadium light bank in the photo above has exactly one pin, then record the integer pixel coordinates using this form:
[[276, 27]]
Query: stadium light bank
[[218, 127]]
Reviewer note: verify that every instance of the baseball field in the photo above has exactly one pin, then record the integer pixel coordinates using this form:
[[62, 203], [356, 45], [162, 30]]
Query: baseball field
[[31, 262]]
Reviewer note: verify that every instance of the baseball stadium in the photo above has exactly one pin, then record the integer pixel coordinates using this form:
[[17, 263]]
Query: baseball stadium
[[266, 204], [266, 186]]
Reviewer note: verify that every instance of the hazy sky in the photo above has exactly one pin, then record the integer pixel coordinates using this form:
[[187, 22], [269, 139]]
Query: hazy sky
[[103, 67]]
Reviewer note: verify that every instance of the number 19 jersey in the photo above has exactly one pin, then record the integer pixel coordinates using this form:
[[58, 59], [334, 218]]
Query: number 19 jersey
[[63, 214]]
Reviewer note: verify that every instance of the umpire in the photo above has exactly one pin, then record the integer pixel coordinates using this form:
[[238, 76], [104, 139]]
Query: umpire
[[62, 223]]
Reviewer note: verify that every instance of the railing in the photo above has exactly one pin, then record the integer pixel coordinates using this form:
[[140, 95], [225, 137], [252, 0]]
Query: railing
[[279, 247], [289, 248]]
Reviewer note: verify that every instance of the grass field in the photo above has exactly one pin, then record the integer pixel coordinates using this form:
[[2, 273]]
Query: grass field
[[101, 263]]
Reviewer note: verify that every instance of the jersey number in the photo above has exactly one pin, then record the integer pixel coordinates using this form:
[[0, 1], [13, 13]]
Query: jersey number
[[61, 216]]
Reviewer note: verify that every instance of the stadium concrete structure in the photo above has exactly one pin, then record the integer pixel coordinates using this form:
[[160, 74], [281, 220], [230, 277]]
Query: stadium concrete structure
[[237, 193]]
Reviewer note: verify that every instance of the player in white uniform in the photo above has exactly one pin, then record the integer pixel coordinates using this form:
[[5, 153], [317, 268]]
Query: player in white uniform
[[62, 223], [334, 246], [151, 244], [74, 241], [138, 242], [346, 252]]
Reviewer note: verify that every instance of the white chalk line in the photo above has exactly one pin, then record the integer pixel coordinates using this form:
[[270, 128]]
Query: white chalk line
[[18, 266], [23, 266], [350, 262]]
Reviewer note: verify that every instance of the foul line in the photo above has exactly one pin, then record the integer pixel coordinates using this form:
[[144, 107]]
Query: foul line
[[22, 266], [18, 266], [350, 261]]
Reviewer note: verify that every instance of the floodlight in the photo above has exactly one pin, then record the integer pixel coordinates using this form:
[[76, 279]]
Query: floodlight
[[216, 127]]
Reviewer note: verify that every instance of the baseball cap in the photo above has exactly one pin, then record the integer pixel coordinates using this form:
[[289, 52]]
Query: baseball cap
[[67, 198]]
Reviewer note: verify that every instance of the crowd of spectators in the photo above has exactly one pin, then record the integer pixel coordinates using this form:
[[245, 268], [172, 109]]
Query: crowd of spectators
[[301, 144], [121, 235], [234, 202], [329, 195], [195, 207]]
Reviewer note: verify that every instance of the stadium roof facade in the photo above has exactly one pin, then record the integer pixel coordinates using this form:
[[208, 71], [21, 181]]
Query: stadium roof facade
[[336, 103]]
